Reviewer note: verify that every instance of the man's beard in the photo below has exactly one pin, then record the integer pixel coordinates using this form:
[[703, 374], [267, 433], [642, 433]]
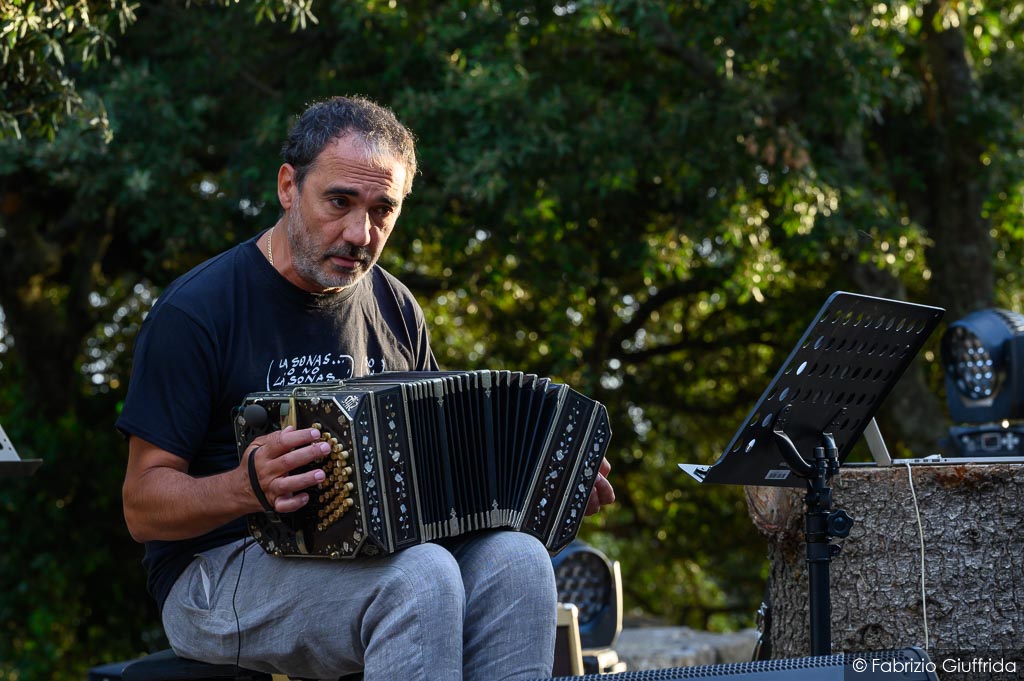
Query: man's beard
[[315, 266]]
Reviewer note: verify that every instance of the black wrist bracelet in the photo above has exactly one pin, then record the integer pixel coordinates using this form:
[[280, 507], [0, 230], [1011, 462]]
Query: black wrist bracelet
[[254, 482]]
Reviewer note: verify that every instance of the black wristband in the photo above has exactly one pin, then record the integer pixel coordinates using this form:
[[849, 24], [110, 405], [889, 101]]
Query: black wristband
[[254, 482]]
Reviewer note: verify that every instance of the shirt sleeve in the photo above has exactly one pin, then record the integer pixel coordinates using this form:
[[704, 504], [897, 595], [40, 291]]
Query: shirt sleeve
[[172, 383]]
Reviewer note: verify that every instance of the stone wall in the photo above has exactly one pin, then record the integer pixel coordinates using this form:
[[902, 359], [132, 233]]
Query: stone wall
[[664, 647]]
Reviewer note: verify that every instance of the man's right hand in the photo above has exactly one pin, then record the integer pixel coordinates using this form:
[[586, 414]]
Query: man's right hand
[[279, 453], [162, 501]]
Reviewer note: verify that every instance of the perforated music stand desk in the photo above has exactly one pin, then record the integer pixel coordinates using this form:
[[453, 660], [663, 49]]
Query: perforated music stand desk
[[11, 465], [808, 420], [835, 379]]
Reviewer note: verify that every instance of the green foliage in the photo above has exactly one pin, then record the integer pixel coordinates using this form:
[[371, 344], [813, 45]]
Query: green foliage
[[645, 199], [41, 46], [72, 578], [44, 45]]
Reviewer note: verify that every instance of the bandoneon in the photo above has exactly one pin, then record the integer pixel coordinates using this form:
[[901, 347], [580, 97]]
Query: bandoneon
[[421, 456]]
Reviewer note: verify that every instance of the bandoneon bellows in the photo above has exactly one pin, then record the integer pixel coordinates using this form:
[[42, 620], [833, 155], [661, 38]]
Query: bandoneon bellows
[[420, 456]]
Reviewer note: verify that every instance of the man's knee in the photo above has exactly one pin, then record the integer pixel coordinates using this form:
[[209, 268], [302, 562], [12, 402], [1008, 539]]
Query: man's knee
[[510, 605], [532, 562], [425, 579], [514, 563], [415, 622]]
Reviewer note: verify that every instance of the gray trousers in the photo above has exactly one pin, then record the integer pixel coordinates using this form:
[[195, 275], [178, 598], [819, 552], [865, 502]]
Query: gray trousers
[[479, 608]]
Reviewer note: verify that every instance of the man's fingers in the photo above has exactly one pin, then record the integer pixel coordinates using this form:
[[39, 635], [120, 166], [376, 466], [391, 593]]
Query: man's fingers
[[288, 485], [287, 489], [285, 450], [283, 441], [602, 494], [290, 504], [605, 492], [281, 452], [302, 456], [271, 444]]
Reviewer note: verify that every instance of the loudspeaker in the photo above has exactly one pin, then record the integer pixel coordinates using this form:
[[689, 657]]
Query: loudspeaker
[[908, 664]]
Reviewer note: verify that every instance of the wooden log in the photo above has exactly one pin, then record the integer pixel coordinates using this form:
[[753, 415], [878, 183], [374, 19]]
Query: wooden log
[[971, 520]]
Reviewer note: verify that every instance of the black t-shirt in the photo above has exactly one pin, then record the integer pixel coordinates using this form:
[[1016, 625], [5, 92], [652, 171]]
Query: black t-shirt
[[233, 326]]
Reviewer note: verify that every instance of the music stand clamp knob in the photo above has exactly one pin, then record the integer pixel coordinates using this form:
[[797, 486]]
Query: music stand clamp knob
[[839, 523]]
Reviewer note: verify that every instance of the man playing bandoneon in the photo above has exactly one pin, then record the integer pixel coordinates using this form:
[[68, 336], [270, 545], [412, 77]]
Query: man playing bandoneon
[[308, 291]]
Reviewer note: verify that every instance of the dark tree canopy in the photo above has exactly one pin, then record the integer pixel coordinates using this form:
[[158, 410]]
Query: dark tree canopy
[[645, 199]]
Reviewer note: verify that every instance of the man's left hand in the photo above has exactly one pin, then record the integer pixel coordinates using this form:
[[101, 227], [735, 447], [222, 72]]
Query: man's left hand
[[602, 494]]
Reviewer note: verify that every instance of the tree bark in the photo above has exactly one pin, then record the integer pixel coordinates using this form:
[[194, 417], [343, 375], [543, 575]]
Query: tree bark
[[973, 573]]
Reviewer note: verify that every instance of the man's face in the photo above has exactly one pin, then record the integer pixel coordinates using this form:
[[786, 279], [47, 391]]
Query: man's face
[[342, 217]]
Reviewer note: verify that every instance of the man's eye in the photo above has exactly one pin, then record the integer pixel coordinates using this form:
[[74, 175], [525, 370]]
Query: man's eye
[[384, 211], [340, 201]]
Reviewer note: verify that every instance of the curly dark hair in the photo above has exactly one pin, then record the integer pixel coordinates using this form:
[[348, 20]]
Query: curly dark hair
[[323, 122]]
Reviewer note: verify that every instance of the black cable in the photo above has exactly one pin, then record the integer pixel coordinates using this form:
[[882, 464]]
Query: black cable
[[245, 545], [238, 626]]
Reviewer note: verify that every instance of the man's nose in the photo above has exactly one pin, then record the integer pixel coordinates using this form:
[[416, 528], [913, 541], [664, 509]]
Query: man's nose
[[357, 228]]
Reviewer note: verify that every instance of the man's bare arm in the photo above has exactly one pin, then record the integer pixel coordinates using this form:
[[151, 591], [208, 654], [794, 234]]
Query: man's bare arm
[[163, 502]]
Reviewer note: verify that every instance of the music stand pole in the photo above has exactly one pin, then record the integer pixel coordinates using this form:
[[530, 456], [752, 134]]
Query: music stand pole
[[820, 526]]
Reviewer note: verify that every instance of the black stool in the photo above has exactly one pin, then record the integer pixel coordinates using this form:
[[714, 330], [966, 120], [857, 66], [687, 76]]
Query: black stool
[[166, 666]]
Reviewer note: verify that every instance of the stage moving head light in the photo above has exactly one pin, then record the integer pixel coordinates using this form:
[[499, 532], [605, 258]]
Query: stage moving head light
[[983, 356]]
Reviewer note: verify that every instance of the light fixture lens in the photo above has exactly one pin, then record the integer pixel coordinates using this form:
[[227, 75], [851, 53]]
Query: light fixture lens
[[972, 365]]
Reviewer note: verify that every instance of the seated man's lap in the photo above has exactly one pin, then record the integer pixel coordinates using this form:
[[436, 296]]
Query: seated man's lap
[[394, 616]]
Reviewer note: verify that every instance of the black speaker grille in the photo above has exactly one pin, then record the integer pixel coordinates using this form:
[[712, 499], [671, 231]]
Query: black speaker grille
[[818, 668], [737, 669]]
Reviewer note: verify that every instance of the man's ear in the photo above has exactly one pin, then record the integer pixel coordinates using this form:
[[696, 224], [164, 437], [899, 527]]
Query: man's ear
[[287, 190]]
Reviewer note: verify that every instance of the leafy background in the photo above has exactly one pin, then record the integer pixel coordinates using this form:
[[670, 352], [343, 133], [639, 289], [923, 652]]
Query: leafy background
[[645, 199]]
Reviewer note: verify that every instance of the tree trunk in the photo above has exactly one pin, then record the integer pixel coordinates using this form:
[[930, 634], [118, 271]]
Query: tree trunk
[[52, 265], [962, 252], [973, 572]]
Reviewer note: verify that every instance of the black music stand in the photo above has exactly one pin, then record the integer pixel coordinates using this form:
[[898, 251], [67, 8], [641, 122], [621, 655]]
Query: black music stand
[[11, 465], [809, 418]]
